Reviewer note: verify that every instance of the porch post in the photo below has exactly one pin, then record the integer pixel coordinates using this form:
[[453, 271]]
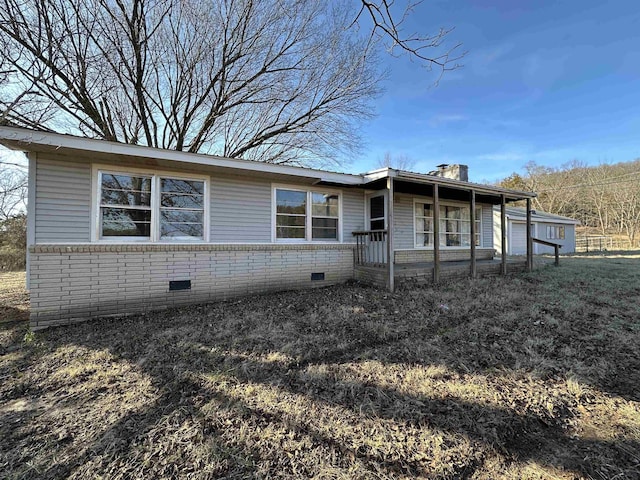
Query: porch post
[[472, 218], [529, 238], [503, 232], [436, 234], [390, 248]]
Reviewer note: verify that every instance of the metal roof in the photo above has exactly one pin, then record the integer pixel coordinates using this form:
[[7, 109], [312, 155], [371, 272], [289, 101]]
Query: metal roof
[[521, 214], [39, 141]]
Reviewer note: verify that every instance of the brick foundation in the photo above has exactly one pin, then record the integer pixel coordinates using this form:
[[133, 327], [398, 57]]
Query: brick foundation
[[71, 283]]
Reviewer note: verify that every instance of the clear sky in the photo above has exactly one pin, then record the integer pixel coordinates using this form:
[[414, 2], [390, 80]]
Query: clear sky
[[548, 81]]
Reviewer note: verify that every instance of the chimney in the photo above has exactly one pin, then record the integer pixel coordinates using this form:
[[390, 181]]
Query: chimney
[[455, 172]]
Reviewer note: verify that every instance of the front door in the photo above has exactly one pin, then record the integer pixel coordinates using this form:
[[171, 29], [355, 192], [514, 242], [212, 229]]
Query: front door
[[377, 219]]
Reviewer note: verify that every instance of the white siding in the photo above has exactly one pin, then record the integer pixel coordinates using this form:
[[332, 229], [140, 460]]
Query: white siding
[[403, 228], [352, 213], [568, 243], [63, 201], [487, 226], [240, 207], [240, 210], [403, 225]]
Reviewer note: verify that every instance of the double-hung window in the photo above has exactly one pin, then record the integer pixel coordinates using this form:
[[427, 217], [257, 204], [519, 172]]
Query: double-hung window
[[306, 215], [150, 207], [181, 209], [424, 224], [455, 225], [125, 206]]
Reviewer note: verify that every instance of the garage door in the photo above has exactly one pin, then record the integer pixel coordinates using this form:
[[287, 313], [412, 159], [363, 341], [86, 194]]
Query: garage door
[[518, 239]]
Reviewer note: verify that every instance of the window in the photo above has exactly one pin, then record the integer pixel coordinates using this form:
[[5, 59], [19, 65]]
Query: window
[[150, 207], [125, 206], [306, 215], [555, 232], [181, 209], [291, 214], [376, 213], [455, 225], [424, 224], [324, 216]]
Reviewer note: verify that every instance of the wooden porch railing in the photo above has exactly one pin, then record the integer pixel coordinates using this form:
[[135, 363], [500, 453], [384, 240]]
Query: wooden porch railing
[[556, 247], [371, 248]]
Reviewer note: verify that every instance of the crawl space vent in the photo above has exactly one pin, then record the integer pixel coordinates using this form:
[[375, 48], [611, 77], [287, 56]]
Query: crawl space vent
[[180, 285], [317, 276]]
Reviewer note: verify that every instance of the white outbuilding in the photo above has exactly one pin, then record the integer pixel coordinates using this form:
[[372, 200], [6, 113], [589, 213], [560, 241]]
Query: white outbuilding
[[545, 226]]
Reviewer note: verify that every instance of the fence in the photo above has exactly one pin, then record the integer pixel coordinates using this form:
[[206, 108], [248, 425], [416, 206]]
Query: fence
[[599, 243]]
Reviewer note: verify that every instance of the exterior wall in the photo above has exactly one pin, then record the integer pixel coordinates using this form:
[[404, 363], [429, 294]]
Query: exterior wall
[[240, 206], [71, 283], [568, 244], [487, 226], [63, 201], [353, 205], [72, 279], [517, 241], [403, 228], [416, 255], [240, 210]]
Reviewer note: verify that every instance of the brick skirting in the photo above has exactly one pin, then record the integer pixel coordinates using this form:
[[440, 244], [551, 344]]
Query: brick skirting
[[71, 283]]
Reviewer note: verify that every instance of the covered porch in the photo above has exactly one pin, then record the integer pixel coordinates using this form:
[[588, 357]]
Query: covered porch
[[427, 228]]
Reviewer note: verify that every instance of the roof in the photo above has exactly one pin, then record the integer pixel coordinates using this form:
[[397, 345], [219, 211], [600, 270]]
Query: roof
[[38, 141], [99, 150], [519, 213]]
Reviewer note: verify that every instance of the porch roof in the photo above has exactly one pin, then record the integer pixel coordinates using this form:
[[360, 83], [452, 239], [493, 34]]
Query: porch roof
[[422, 184]]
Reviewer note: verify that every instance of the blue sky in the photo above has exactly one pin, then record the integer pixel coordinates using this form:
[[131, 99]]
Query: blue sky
[[547, 81]]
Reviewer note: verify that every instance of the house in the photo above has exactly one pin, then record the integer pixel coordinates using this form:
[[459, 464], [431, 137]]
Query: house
[[544, 226], [116, 228]]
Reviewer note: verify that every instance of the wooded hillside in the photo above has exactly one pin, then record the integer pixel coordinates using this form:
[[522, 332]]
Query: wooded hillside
[[604, 197]]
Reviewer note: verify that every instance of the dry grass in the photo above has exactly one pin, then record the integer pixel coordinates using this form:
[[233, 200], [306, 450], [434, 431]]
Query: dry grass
[[535, 376], [14, 300]]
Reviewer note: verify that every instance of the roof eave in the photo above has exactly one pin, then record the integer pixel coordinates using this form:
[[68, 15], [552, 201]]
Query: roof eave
[[29, 140]]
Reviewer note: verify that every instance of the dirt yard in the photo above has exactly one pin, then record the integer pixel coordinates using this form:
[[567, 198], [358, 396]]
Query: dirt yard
[[535, 376]]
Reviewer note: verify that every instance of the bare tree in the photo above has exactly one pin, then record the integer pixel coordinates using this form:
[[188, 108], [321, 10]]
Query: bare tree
[[400, 161], [388, 27], [284, 81], [13, 189]]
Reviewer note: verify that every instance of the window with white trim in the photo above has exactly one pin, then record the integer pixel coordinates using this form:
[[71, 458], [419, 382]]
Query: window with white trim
[[125, 206], [150, 207], [324, 216], [555, 232], [455, 225], [307, 215], [424, 224]]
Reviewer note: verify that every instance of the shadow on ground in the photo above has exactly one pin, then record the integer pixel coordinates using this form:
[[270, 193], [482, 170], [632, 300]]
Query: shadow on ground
[[366, 385]]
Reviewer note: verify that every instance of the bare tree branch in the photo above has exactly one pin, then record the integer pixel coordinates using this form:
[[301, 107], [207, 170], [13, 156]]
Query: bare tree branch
[[282, 81], [426, 48]]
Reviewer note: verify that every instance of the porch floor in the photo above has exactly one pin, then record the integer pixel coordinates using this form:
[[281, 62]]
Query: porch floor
[[422, 272], [484, 265]]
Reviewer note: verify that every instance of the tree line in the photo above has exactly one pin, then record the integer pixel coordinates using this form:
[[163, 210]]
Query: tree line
[[605, 197]]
